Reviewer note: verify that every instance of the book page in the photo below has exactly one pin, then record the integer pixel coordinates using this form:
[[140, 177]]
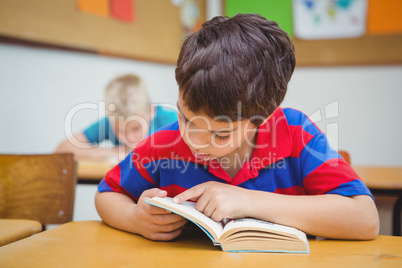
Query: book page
[[251, 223], [187, 209]]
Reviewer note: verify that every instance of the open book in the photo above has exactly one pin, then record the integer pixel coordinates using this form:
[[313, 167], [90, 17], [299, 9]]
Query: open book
[[240, 235]]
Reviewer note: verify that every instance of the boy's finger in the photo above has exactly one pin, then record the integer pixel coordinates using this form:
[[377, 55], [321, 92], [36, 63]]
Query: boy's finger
[[153, 192], [172, 220], [193, 193], [150, 209], [166, 236]]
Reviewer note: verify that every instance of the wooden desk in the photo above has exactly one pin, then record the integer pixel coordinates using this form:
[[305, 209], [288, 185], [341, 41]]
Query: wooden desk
[[93, 171], [93, 244], [381, 178], [14, 230], [385, 181]]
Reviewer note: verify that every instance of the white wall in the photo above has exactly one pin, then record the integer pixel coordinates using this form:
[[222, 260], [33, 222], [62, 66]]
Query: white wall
[[369, 122], [38, 87]]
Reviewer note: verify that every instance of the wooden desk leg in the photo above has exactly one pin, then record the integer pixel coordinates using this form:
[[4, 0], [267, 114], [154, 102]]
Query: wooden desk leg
[[396, 228]]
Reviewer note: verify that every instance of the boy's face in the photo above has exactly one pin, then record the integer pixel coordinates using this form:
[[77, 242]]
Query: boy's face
[[132, 130], [209, 138]]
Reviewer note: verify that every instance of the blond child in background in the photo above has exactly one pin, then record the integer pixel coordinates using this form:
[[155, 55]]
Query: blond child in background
[[130, 117]]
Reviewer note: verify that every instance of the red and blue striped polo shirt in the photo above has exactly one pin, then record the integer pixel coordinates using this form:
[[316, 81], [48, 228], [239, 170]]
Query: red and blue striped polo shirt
[[292, 156]]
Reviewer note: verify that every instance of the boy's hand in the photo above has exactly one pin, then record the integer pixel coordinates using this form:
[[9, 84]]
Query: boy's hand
[[156, 223], [218, 200]]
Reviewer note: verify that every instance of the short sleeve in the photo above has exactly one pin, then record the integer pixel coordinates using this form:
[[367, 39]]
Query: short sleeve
[[324, 171], [100, 131], [127, 178]]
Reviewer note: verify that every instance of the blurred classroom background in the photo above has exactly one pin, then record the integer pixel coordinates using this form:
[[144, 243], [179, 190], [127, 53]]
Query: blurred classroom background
[[56, 57]]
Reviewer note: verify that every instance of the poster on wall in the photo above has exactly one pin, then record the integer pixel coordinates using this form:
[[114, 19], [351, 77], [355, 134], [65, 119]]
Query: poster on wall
[[329, 19], [190, 16]]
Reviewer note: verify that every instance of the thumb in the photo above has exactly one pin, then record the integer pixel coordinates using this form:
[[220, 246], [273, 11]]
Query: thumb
[[153, 193]]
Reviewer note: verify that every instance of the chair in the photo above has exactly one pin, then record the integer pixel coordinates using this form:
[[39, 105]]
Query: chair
[[38, 187], [345, 155]]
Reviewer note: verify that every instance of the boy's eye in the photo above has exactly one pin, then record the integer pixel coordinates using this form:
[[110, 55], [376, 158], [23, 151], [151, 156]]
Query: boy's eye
[[222, 137], [181, 117]]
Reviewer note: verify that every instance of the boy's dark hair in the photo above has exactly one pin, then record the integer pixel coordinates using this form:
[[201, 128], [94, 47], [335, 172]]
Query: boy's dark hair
[[236, 67]]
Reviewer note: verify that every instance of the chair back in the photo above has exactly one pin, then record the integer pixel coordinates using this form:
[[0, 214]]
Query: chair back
[[38, 187], [345, 155]]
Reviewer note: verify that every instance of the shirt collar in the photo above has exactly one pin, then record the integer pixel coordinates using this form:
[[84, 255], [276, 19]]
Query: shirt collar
[[273, 143]]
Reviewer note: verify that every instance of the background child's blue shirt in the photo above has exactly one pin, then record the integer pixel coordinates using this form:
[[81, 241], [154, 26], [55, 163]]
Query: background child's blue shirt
[[102, 129], [162, 118]]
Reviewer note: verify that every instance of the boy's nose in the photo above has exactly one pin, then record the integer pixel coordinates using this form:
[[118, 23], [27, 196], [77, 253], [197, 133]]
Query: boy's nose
[[198, 140]]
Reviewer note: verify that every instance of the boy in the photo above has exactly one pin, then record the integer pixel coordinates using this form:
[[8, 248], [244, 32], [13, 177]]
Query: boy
[[130, 118], [234, 150]]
